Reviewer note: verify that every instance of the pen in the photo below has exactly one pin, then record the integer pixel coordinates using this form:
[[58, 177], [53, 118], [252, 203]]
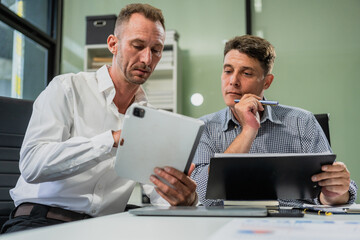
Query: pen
[[263, 102], [319, 212]]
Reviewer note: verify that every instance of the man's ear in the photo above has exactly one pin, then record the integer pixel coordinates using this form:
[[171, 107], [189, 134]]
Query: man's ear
[[111, 42], [268, 80]]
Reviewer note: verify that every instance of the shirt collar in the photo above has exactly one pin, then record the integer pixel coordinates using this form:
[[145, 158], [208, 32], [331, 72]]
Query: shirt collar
[[270, 114], [104, 79], [229, 120], [106, 85]]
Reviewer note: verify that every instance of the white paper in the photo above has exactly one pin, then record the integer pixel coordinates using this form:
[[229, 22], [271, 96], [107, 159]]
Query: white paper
[[294, 229]]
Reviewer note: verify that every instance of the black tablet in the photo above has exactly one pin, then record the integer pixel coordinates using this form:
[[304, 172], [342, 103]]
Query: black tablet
[[265, 176]]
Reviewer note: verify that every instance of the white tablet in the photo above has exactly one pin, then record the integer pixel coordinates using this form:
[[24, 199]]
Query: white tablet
[[155, 138]]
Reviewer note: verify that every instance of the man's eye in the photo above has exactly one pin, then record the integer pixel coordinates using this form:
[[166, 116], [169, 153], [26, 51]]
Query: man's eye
[[138, 47], [155, 51], [248, 74], [227, 71]]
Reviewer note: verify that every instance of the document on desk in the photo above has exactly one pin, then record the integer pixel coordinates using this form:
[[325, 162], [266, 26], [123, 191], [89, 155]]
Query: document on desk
[[277, 229]]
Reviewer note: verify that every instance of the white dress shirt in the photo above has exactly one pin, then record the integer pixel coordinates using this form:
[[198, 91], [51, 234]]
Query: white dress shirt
[[67, 157]]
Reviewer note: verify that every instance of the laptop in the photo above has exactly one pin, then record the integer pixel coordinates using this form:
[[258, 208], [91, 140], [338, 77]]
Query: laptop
[[155, 138], [265, 176], [202, 211]]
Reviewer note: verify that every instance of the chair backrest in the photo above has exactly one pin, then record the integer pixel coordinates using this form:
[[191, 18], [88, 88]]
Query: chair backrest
[[323, 119], [14, 118]]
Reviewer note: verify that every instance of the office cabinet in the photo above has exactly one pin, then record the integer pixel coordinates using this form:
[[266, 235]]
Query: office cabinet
[[96, 55]]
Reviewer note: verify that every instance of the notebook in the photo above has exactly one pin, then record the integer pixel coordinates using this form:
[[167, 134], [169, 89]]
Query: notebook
[[265, 176], [202, 211], [155, 138]]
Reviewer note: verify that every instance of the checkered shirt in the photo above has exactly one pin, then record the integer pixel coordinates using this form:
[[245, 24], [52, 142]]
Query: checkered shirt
[[283, 129]]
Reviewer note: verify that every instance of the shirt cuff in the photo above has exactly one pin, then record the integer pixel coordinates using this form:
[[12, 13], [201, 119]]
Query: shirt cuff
[[352, 192], [103, 143]]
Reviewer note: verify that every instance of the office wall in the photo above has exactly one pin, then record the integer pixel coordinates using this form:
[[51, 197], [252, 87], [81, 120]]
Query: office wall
[[317, 66], [203, 26], [317, 44]]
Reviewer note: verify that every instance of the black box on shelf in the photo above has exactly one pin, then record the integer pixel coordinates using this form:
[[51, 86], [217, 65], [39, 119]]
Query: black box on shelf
[[98, 28]]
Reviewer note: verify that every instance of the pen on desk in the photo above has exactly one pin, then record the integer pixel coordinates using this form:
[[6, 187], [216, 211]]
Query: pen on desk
[[263, 102], [319, 212]]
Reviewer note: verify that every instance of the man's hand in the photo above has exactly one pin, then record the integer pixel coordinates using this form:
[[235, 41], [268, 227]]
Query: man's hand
[[247, 111], [116, 136], [335, 183], [182, 192]]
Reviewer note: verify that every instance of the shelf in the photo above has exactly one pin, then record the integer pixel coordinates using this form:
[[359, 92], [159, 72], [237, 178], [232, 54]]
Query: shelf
[[96, 56], [164, 85]]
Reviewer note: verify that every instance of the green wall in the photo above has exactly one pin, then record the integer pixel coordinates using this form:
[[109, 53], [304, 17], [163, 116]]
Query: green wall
[[203, 26], [317, 44], [318, 57]]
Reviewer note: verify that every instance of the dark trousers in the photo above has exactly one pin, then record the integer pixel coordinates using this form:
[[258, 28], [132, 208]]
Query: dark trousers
[[36, 219]]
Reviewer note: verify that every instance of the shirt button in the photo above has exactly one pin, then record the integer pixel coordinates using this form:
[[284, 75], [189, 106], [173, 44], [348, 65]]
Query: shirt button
[[100, 187], [102, 148], [93, 211]]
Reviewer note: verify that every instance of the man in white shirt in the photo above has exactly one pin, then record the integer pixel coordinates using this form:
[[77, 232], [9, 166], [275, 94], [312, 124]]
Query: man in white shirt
[[67, 156]]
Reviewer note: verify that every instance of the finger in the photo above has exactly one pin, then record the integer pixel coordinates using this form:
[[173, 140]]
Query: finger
[[335, 167], [336, 170], [170, 200], [250, 101], [257, 106], [260, 106], [182, 191], [328, 175], [116, 137], [179, 188], [335, 182], [168, 193], [165, 188], [254, 108], [191, 169], [185, 180]]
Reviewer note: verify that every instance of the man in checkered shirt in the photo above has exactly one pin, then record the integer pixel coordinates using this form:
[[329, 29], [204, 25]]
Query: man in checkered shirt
[[250, 127]]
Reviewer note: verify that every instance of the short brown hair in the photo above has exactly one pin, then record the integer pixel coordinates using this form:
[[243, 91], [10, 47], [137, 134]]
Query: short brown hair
[[254, 47], [150, 12]]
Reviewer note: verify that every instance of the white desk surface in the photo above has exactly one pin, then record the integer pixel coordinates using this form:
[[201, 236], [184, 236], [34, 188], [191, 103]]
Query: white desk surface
[[127, 226]]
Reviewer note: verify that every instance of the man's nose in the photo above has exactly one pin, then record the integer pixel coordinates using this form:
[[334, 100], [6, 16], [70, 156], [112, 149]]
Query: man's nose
[[235, 80], [146, 56]]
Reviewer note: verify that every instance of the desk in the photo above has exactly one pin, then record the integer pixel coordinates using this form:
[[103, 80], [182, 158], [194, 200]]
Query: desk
[[126, 226]]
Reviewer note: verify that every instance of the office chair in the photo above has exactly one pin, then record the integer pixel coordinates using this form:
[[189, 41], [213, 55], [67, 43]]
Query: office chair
[[323, 119], [14, 118]]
